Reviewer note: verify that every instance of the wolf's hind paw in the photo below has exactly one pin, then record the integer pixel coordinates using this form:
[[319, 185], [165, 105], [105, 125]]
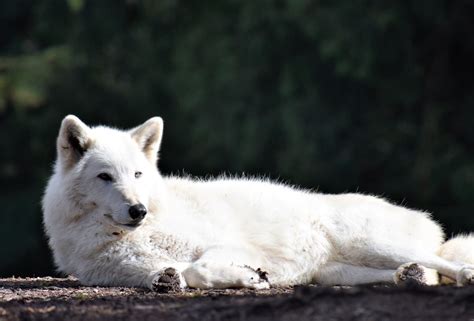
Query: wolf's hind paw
[[414, 274], [167, 281]]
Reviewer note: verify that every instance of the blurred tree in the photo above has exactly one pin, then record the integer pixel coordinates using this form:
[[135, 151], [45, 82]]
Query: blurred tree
[[335, 96]]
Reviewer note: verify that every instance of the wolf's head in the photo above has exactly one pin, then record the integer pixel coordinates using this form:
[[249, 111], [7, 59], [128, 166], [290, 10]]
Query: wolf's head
[[105, 175]]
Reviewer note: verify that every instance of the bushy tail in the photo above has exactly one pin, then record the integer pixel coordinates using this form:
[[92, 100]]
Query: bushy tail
[[458, 249]]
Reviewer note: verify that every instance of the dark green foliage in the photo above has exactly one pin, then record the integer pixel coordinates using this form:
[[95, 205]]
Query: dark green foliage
[[331, 95]]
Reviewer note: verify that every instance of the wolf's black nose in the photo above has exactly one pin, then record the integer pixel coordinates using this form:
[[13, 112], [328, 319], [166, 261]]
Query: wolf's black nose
[[137, 211]]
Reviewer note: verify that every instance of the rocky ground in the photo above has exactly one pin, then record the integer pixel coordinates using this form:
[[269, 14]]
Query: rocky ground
[[66, 299]]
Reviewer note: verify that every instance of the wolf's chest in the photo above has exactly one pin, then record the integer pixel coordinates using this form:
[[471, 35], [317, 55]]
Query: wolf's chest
[[173, 247]]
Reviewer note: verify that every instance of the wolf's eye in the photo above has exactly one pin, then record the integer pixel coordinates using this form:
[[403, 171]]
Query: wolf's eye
[[138, 174], [105, 177]]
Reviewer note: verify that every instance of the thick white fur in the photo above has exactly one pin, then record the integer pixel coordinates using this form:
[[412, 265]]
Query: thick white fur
[[459, 249], [212, 231]]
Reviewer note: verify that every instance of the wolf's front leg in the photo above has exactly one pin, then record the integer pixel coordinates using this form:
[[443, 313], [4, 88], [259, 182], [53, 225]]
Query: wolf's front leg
[[211, 275], [226, 268]]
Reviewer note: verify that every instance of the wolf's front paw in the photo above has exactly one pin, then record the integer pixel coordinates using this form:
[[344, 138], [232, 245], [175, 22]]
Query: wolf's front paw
[[414, 274], [257, 279], [168, 280], [465, 276]]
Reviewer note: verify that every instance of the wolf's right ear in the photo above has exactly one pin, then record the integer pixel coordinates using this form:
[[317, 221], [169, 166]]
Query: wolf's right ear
[[73, 141]]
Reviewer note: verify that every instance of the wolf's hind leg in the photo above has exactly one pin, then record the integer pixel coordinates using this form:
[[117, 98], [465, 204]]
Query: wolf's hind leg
[[462, 273], [226, 268], [335, 273], [393, 255]]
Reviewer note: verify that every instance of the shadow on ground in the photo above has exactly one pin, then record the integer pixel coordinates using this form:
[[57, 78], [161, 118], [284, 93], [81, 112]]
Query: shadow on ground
[[66, 299]]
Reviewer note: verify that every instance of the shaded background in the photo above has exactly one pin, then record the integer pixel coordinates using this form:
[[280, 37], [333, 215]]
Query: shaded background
[[335, 95]]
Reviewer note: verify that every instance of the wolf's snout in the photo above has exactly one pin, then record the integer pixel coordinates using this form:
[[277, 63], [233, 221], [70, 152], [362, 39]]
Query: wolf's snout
[[137, 211]]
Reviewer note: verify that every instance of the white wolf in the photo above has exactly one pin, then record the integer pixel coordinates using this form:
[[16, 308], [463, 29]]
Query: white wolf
[[112, 219]]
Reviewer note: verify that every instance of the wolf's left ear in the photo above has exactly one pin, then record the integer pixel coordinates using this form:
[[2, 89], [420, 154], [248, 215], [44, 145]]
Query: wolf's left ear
[[148, 137]]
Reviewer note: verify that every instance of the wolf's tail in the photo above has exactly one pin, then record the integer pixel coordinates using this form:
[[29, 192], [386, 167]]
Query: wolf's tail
[[458, 249]]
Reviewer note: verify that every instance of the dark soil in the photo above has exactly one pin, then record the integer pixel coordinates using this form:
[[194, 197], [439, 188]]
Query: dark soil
[[66, 299]]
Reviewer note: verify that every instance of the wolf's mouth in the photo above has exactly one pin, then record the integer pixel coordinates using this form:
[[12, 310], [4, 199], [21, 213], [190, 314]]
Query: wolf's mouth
[[128, 226]]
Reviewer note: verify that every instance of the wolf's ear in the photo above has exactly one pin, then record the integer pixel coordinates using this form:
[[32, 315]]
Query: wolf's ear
[[73, 141], [148, 137]]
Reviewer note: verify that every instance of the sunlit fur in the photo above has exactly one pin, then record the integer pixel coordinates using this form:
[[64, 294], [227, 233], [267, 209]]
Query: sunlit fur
[[212, 231], [458, 249]]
